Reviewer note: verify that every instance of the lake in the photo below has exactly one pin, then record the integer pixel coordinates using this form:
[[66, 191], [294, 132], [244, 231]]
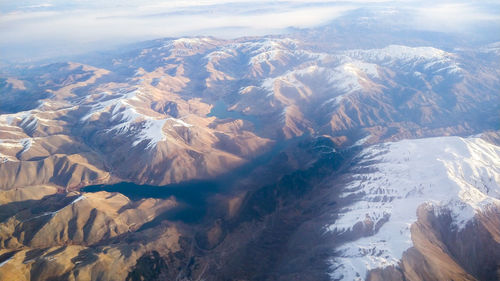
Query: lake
[[220, 111], [192, 195]]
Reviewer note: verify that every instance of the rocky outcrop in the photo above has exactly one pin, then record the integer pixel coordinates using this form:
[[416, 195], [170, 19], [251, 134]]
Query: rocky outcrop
[[443, 252]]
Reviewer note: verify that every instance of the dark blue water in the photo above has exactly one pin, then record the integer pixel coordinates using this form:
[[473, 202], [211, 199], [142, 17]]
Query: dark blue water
[[220, 111], [190, 191], [192, 195]]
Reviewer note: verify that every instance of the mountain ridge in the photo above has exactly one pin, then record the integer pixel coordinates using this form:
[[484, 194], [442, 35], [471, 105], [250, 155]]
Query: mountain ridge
[[317, 146]]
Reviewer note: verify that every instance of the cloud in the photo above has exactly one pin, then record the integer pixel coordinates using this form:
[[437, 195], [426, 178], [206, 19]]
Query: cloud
[[455, 17], [52, 30], [33, 30]]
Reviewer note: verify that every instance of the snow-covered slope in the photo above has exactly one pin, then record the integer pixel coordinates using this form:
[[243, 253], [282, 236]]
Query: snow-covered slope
[[429, 57], [450, 173], [129, 120]]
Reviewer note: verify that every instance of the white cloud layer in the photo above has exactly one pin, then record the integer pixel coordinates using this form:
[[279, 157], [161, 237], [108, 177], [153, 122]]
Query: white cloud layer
[[36, 29], [454, 16]]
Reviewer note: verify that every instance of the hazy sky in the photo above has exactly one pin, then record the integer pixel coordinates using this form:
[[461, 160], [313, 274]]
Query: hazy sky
[[35, 29]]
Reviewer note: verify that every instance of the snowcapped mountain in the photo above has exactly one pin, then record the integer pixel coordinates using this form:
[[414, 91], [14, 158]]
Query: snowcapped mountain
[[447, 175], [163, 106], [305, 156]]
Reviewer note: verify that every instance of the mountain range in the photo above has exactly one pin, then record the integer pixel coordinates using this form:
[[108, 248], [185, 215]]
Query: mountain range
[[307, 156]]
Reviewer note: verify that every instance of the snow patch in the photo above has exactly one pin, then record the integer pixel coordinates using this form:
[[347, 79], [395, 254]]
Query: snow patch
[[289, 78], [362, 141], [186, 46], [398, 52], [344, 79], [29, 123], [7, 119], [5, 261], [360, 68], [430, 58], [267, 50], [26, 144], [192, 42], [128, 121], [81, 197], [451, 173], [180, 123], [218, 55], [151, 131], [106, 100]]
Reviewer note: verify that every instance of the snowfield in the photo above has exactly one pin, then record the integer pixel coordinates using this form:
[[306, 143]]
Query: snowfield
[[461, 175]]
